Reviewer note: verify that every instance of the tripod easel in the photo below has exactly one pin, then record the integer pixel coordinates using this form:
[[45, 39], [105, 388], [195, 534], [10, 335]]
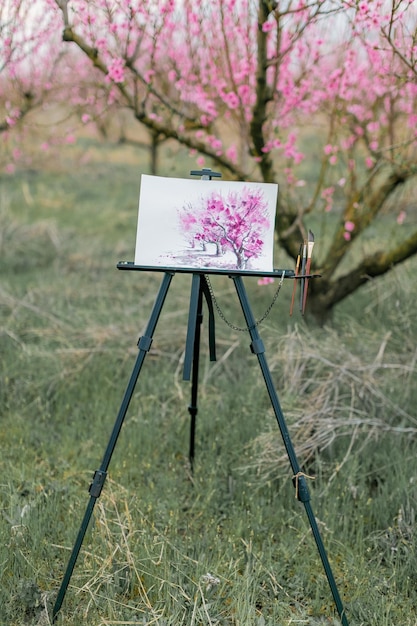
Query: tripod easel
[[200, 289]]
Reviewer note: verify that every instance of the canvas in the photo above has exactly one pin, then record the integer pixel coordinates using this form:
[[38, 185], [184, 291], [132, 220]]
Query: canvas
[[205, 224]]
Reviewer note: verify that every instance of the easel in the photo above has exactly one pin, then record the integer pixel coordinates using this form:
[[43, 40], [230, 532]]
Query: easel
[[199, 289]]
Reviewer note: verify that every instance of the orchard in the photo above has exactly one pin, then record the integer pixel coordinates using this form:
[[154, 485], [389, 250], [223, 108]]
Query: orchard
[[318, 96]]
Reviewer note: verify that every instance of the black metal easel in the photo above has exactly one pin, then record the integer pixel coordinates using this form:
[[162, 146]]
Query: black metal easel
[[200, 288]]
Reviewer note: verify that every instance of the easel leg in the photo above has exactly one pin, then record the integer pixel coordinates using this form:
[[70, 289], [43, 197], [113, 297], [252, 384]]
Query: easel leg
[[199, 288], [303, 495], [99, 478], [195, 320]]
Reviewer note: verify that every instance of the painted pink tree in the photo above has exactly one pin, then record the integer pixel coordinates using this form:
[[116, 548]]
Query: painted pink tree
[[319, 96], [237, 223]]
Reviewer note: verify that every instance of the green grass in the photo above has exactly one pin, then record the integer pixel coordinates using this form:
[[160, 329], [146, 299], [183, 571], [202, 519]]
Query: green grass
[[229, 545]]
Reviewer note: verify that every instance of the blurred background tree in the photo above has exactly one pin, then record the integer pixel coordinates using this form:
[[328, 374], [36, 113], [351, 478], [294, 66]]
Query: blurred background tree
[[320, 97]]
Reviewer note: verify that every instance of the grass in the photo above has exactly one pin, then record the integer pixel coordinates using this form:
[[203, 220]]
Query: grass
[[229, 545]]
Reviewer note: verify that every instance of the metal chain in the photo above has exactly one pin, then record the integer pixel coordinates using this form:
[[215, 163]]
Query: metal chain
[[257, 322]]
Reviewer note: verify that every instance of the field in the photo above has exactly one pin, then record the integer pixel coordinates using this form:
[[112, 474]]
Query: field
[[228, 544]]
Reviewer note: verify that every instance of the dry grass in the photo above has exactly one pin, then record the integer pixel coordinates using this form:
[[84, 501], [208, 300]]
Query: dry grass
[[227, 548], [334, 393]]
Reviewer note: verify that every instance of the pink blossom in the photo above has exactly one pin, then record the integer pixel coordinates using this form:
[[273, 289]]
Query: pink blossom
[[267, 27], [373, 127], [401, 217], [271, 145], [231, 100], [331, 151], [290, 176], [327, 195], [265, 280], [349, 226], [101, 44], [214, 142], [231, 154], [149, 74], [349, 142], [245, 93], [116, 70], [298, 157], [211, 108]]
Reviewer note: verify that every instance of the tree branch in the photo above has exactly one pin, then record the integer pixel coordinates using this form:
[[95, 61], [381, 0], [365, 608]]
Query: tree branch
[[362, 209], [192, 143], [152, 124], [372, 266], [263, 96]]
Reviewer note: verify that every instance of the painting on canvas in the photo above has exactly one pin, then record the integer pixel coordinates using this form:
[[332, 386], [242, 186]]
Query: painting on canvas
[[206, 224]]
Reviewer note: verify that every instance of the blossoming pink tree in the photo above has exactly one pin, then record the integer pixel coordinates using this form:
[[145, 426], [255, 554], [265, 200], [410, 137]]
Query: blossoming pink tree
[[31, 73], [317, 95], [237, 223], [45, 87]]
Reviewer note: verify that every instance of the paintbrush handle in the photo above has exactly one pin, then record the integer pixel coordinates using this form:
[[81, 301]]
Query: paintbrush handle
[[297, 268]]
